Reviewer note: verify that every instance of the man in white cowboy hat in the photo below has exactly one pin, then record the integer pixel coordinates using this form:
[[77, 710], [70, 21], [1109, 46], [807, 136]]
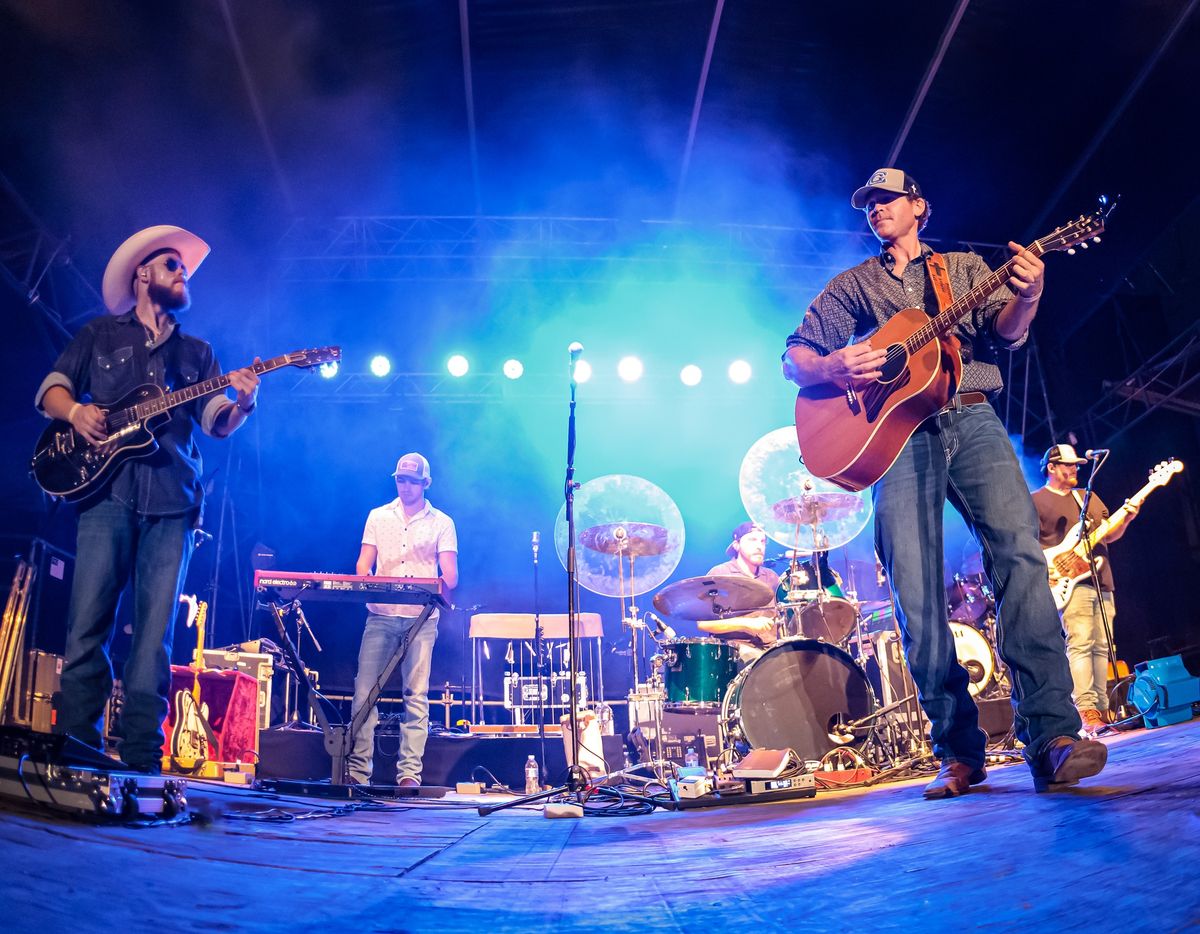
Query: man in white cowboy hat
[[404, 538], [961, 454], [138, 526], [1059, 506]]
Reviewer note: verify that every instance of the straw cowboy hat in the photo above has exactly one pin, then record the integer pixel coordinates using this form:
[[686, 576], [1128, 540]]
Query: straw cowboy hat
[[117, 288]]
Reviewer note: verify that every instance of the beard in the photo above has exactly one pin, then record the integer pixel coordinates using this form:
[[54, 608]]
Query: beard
[[166, 296]]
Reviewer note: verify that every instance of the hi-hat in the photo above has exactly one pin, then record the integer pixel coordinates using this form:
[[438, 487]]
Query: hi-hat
[[635, 539], [814, 508], [716, 597]]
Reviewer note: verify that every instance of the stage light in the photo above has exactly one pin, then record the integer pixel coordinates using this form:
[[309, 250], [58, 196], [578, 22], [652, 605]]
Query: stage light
[[328, 370], [583, 371], [513, 369], [630, 369], [381, 365], [739, 371], [458, 365], [691, 375]]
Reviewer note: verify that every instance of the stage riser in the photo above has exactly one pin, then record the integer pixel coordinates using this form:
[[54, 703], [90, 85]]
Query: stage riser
[[300, 754]]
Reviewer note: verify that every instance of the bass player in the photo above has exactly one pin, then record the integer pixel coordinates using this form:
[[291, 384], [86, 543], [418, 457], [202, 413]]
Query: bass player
[[1059, 506], [961, 452]]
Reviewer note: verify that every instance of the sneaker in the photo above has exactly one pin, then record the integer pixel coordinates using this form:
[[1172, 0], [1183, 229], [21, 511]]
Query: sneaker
[[1093, 720]]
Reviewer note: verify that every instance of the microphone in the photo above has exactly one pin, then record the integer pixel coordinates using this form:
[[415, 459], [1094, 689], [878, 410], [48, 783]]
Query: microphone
[[1093, 453], [574, 349], [663, 628]]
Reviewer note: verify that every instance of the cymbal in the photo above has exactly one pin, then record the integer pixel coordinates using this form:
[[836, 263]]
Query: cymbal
[[814, 508], [635, 539], [714, 597]]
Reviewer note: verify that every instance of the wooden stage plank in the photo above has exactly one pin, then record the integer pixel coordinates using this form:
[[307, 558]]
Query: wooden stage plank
[[1121, 851]]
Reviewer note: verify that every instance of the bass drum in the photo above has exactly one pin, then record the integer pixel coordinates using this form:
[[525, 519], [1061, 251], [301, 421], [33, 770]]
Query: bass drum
[[974, 654], [797, 695]]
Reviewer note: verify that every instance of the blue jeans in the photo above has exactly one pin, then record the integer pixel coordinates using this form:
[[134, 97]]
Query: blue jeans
[[383, 634], [114, 544], [966, 456], [1087, 644]]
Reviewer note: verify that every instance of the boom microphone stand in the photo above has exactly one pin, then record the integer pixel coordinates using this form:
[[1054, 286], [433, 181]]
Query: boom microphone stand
[[576, 776], [1098, 458]]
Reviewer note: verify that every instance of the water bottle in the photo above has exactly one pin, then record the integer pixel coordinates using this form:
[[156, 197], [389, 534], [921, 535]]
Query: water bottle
[[690, 759], [533, 782]]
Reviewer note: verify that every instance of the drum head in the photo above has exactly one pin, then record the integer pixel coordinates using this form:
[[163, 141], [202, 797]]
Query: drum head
[[796, 693], [975, 655], [832, 619]]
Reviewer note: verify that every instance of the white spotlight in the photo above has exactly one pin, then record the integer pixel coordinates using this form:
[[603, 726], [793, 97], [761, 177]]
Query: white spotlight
[[691, 375], [739, 371], [328, 370], [513, 369], [583, 371], [458, 365], [381, 365], [630, 369]]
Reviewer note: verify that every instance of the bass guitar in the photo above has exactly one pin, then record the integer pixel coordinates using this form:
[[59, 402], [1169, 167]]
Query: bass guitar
[[1068, 560], [67, 465], [852, 437]]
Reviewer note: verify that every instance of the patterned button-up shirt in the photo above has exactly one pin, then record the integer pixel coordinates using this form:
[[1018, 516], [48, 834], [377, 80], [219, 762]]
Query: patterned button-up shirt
[[858, 301], [407, 547]]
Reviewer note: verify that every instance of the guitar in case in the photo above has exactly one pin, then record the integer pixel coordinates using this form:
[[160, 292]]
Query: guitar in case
[[68, 466]]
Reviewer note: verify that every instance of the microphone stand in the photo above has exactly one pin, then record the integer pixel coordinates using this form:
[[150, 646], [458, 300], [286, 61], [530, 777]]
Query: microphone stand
[[1084, 525], [577, 779], [539, 651]]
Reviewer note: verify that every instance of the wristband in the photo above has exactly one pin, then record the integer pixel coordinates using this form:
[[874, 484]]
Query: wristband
[[74, 408]]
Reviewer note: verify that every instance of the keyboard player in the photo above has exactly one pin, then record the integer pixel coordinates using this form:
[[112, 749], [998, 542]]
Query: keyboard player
[[407, 537]]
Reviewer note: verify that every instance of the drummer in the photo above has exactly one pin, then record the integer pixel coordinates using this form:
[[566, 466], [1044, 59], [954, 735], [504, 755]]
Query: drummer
[[754, 631]]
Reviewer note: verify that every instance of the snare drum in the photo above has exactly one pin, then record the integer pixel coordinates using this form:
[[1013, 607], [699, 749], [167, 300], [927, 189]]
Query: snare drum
[[798, 695], [696, 672], [974, 654]]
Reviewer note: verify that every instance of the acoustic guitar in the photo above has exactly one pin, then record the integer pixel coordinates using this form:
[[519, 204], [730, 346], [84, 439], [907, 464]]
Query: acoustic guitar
[[852, 437]]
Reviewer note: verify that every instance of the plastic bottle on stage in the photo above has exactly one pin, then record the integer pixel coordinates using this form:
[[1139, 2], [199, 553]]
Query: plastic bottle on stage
[[690, 759], [533, 782]]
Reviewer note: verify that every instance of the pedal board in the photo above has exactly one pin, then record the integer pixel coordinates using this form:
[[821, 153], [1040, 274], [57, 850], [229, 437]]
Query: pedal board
[[752, 791], [37, 768]]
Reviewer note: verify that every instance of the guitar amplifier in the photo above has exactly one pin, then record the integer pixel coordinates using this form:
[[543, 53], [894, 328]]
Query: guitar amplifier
[[232, 701], [259, 667], [35, 689]]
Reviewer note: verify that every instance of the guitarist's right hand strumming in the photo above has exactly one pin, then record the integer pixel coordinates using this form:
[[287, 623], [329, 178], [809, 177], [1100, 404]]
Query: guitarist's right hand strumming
[[89, 422]]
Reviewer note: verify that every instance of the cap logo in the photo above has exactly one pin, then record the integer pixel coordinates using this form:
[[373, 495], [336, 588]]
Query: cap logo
[[878, 178]]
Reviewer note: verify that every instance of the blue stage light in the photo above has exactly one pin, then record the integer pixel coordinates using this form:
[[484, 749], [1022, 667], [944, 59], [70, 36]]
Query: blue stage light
[[583, 371], [513, 369], [630, 369], [458, 365], [691, 375], [740, 371], [328, 370], [381, 365]]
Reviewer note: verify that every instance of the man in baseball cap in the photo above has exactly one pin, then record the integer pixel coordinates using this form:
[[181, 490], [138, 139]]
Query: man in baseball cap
[[1061, 454], [138, 515], [750, 632]]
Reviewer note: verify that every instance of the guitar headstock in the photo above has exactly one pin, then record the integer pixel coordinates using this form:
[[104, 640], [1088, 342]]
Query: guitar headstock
[[1163, 472], [314, 357], [1081, 232]]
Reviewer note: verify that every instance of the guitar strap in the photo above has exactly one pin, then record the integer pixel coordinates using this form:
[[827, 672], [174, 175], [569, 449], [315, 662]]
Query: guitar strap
[[935, 265]]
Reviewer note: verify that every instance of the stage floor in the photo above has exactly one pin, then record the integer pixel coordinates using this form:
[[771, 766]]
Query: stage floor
[[1121, 851]]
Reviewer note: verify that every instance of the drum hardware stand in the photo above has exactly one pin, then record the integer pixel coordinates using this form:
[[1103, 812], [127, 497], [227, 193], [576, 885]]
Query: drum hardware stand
[[577, 778]]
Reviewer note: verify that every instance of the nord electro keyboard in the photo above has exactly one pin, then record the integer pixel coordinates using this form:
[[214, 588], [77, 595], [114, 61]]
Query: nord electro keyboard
[[293, 585]]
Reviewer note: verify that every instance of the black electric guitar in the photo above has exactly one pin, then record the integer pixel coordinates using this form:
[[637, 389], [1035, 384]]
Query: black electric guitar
[[67, 465]]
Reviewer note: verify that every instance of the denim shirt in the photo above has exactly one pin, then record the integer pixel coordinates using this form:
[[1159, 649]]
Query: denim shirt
[[113, 355]]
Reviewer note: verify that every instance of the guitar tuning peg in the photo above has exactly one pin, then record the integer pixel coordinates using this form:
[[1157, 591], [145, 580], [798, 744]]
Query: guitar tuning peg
[[1095, 239], [1083, 245], [1071, 251]]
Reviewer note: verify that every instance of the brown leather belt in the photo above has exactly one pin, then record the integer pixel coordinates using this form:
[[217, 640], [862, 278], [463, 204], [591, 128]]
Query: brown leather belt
[[963, 399]]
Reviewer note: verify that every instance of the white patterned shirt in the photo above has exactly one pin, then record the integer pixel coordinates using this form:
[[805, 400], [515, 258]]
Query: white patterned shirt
[[407, 547]]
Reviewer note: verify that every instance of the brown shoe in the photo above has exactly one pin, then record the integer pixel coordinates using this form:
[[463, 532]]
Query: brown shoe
[[1066, 760], [954, 779], [408, 782], [1093, 720]]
